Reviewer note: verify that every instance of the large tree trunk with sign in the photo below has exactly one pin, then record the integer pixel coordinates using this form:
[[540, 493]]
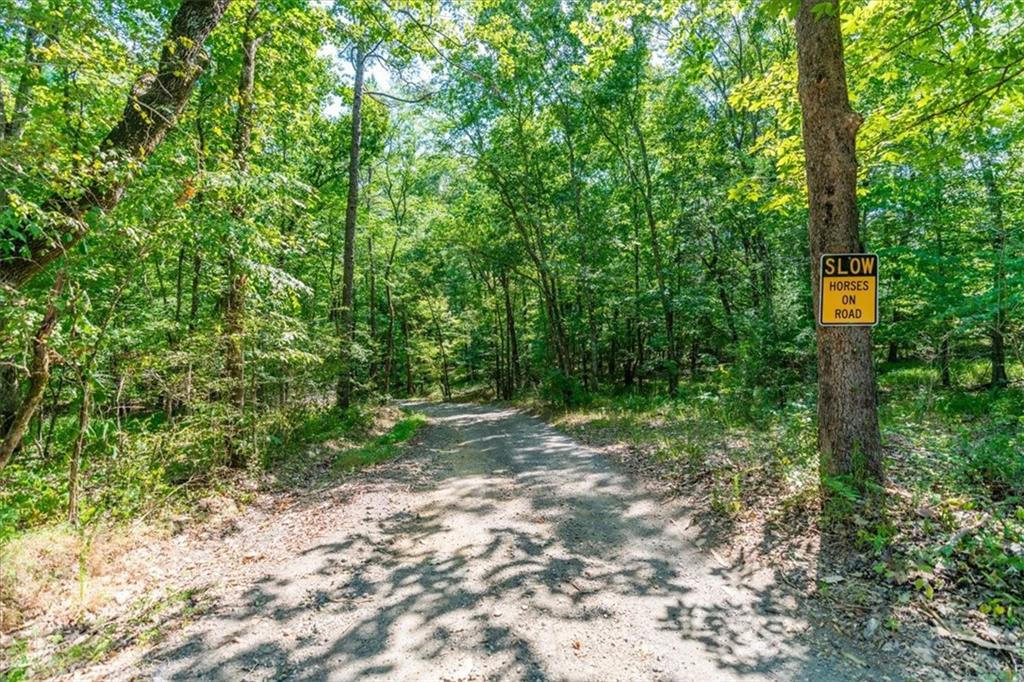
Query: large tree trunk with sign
[[848, 436]]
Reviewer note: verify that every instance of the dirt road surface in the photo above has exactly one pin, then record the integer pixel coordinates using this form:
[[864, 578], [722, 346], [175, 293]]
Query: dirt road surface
[[499, 549]]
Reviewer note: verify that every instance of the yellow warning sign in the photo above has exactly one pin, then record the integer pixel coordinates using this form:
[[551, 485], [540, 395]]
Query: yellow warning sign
[[849, 289]]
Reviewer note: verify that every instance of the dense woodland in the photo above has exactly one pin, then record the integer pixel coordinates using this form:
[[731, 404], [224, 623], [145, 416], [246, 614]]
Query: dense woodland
[[222, 219]]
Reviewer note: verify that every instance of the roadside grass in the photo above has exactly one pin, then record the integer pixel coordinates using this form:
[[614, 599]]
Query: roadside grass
[[734, 451], [62, 587], [952, 531], [145, 622], [382, 448], [328, 444]]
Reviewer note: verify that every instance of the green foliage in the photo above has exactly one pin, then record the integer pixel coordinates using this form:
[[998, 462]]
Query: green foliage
[[588, 201], [993, 555], [382, 448], [773, 365], [18, 661], [995, 462], [877, 537], [726, 496], [843, 500], [564, 390]]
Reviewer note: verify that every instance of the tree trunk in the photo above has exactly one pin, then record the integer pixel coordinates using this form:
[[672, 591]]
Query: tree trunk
[[711, 264], [514, 372], [234, 299], [178, 294], [526, 376], [246, 86], [8, 394], [76, 455], [344, 396], [998, 344], [193, 311], [546, 281], [893, 354], [14, 127], [152, 110], [633, 321], [848, 435], [613, 351], [664, 295], [557, 324], [592, 339], [197, 258], [39, 375], [389, 351], [234, 362], [585, 282], [446, 389], [944, 344], [372, 302], [767, 277], [944, 362], [409, 389], [501, 378], [54, 400]]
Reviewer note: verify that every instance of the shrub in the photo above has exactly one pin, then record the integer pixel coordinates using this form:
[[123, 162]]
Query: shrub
[[995, 462], [563, 389]]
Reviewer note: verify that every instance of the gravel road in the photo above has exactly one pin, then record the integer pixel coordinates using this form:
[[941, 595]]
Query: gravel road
[[499, 549]]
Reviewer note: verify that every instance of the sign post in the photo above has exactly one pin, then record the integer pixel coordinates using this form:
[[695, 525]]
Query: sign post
[[848, 295]]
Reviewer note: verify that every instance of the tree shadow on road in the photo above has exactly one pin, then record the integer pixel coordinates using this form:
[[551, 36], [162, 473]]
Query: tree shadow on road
[[519, 539]]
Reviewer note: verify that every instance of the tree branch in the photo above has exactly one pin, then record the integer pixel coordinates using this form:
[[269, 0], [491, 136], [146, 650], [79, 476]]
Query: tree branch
[[417, 100]]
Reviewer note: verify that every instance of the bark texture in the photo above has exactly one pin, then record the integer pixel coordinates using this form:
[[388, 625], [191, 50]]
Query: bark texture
[[848, 435], [409, 388], [8, 394], [14, 127], [513, 343], [39, 376]]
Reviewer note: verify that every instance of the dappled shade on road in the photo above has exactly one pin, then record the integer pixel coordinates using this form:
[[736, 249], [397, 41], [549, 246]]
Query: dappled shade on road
[[514, 553]]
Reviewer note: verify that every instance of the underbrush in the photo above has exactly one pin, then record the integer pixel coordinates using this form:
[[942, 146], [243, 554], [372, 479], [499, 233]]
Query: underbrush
[[147, 488], [137, 467], [382, 448], [144, 620], [711, 435], [951, 529]]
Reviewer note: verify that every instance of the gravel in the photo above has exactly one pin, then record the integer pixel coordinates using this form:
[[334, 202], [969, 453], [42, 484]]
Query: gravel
[[497, 548]]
